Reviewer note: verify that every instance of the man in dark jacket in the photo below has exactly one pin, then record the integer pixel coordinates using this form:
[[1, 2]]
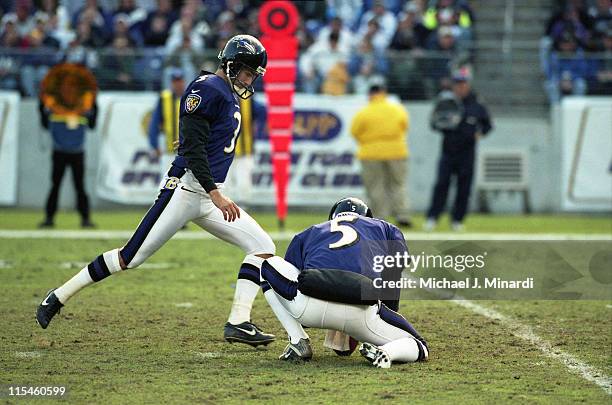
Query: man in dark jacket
[[458, 151], [68, 133]]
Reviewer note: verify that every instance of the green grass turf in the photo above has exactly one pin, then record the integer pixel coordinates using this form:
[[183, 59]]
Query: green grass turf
[[128, 219], [125, 341]]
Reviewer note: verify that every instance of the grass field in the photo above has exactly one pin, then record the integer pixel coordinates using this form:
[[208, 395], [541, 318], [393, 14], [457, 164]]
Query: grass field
[[154, 334]]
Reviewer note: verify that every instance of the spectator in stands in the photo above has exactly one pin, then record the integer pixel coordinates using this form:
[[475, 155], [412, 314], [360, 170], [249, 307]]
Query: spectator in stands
[[41, 34], [226, 25], [381, 131], [306, 35], [387, 23], [24, 23], [81, 49], [117, 65], [187, 57], [135, 18], [567, 68], [134, 13], [89, 36], [157, 25], [410, 33], [96, 17], [335, 25], [58, 23], [436, 67], [393, 6], [318, 60], [253, 24], [200, 25], [213, 8], [312, 10], [601, 15], [183, 32], [374, 34], [570, 21], [241, 11], [337, 80], [121, 28], [5, 7], [601, 81], [9, 64], [9, 36], [410, 36], [346, 10], [367, 66], [42, 54], [572, 14], [450, 13]]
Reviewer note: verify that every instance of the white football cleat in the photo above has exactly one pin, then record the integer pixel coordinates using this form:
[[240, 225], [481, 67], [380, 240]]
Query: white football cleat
[[457, 227], [375, 355], [430, 225]]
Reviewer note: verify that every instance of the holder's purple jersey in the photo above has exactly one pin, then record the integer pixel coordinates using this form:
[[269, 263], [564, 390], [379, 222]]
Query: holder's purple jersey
[[210, 96], [347, 242]]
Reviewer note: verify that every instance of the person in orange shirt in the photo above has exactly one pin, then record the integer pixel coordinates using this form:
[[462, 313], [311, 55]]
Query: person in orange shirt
[[381, 131]]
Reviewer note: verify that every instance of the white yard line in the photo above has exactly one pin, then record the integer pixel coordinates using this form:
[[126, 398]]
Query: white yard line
[[525, 332], [28, 355], [287, 235], [207, 355]]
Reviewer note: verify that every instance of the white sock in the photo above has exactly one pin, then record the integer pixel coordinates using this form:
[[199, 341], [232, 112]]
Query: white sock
[[291, 325], [403, 350], [80, 280], [246, 291], [245, 294]]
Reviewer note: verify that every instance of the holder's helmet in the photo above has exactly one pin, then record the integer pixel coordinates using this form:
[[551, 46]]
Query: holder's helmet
[[240, 52], [350, 204]]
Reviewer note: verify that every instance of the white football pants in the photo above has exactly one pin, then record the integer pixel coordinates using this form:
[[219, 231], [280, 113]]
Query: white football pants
[[182, 199], [359, 321]]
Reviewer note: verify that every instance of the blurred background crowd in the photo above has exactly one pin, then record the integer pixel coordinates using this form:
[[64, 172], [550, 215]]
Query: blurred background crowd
[[345, 45]]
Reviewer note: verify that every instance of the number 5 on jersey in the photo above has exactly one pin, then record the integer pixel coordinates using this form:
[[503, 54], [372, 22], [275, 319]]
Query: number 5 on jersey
[[349, 235]]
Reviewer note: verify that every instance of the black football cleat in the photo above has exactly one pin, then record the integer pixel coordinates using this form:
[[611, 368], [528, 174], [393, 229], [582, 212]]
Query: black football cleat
[[46, 224], [86, 223], [247, 333], [47, 309], [297, 353]]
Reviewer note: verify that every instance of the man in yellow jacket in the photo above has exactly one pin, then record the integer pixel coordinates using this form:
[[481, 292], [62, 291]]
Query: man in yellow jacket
[[165, 120], [381, 131]]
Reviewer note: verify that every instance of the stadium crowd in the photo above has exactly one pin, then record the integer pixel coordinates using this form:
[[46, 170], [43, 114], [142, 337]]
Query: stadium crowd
[[345, 45], [133, 44], [576, 51]]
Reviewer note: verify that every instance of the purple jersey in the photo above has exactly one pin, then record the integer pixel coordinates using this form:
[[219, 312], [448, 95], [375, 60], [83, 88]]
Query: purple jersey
[[210, 96], [347, 242]]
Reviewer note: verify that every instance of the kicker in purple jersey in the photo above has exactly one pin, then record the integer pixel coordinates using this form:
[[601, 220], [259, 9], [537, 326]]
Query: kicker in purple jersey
[[325, 246], [210, 96]]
